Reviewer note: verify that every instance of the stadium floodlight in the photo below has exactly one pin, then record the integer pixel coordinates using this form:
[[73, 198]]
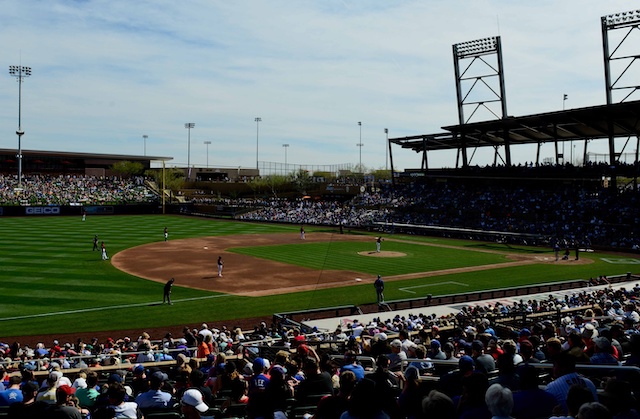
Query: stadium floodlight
[[386, 155], [19, 72], [144, 137], [258, 120], [207, 143], [476, 48], [286, 146], [360, 145], [621, 20], [188, 126]]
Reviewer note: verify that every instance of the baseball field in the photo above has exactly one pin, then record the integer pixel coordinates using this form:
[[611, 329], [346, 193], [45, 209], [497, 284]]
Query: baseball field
[[52, 282]]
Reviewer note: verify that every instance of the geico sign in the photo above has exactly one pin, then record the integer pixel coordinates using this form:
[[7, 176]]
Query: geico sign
[[43, 210]]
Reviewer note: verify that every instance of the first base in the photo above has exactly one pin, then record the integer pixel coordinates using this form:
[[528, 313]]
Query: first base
[[358, 279], [205, 248]]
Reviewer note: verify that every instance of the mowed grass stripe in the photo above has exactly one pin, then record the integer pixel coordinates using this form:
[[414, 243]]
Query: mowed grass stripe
[[338, 255], [48, 267]]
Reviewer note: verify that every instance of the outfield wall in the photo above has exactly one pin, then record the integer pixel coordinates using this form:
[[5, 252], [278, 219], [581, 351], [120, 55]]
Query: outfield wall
[[58, 210]]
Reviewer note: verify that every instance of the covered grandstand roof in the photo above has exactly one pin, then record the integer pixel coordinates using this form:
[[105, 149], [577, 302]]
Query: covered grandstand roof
[[76, 155], [569, 125]]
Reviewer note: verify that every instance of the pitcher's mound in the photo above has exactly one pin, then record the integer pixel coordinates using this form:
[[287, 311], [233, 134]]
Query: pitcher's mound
[[383, 254]]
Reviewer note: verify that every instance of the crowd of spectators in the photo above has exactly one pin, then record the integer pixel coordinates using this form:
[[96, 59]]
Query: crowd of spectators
[[468, 364], [314, 212], [565, 214], [73, 190]]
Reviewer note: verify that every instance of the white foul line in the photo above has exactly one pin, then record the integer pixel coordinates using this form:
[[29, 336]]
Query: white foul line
[[86, 310]]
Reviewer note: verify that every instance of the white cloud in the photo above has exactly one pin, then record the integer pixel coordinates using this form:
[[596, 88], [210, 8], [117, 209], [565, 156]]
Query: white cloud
[[107, 72]]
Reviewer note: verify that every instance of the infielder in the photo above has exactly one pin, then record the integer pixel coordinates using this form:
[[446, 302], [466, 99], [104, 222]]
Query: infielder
[[220, 265]]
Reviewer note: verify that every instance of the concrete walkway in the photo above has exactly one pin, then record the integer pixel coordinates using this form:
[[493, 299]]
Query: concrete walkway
[[330, 324]]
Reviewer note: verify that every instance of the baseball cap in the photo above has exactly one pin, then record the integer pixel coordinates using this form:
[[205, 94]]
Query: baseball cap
[[115, 378], [68, 390], [159, 376], [525, 332], [435, 343], [466, 363], [602, 343], [193, 397], [477, 345], [259, 364], [396, 343]]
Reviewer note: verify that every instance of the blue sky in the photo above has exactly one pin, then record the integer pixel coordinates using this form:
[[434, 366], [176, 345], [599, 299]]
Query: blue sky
[[107, 72]]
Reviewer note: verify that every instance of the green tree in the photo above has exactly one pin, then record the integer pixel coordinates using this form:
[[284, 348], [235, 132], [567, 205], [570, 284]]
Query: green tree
[[301, 180], [127, 169], [173, 179], [381, 174], [276, 183]]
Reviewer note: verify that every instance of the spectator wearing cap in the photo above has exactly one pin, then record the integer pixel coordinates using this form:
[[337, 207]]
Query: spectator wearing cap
[[603, 352], [155, 397], [351, 364], [192, 404], [29, 407], [397, 355], [140, 381], [435, 350], [564, 373], [279, 391], [484, 362], [258, 403], [47, 392], [61, 408], [123, 409], [589, 333], [380, 344]]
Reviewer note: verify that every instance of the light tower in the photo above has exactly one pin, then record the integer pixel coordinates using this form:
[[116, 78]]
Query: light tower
[[207, 143], [286, 146], [188, 126], [258, 120], [19, 72], [144, 137], [360, 145]]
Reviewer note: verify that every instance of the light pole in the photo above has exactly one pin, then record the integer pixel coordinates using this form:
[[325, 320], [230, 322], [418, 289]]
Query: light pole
[[258, 120], [188, 126], [20, 72], [144, 137], [386, 153], [360, 145], [564, 99], [207, 144], [286, 146]]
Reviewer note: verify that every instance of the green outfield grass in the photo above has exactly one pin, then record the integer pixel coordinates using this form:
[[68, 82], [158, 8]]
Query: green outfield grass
[[52, 282]]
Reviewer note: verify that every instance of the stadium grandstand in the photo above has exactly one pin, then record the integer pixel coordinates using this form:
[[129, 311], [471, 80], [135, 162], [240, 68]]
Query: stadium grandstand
[[441, 356]]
